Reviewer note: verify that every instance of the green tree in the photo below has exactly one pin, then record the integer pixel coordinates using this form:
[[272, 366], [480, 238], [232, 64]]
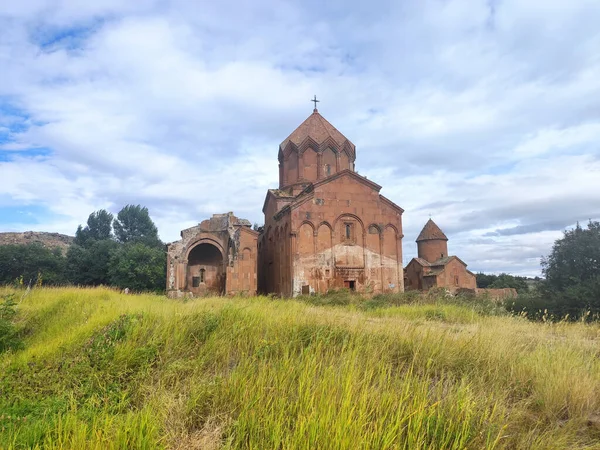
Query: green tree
[[138, 267], [32, 261], [505, 280], [484, 280], [90, 265], [98, 228], [134, 225], [572, 272]]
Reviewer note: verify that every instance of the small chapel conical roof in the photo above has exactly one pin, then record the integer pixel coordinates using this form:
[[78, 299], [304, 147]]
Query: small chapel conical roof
[[430, 232], [318, 129]]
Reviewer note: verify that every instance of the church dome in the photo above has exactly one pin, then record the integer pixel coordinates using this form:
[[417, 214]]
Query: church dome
[[317, 128], [431, 232]]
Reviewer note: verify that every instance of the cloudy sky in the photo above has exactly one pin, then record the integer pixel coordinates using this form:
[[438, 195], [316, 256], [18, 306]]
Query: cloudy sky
[[484, 114]]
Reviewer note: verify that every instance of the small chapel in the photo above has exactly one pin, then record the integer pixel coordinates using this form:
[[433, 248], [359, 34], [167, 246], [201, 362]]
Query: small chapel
[[433, 267], [325, 227]]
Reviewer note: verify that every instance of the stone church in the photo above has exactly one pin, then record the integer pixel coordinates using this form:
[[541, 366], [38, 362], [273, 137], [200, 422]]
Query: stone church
[[325, 227], [433, 267]]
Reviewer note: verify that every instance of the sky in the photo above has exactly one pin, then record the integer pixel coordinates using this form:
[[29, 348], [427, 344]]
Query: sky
[[484, 115]]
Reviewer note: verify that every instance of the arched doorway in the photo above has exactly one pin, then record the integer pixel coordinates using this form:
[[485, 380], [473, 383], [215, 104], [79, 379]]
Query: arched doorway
[[205, 270]]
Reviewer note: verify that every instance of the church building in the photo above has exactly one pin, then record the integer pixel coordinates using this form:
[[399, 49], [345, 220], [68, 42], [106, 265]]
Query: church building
[[433, 267], [326, 226]]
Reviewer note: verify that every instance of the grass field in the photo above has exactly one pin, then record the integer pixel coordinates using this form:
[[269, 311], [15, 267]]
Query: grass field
[[102, 370]]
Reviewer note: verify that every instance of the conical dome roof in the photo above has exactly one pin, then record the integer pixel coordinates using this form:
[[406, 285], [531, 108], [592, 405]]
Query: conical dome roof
[[318, 129], [430, 232]]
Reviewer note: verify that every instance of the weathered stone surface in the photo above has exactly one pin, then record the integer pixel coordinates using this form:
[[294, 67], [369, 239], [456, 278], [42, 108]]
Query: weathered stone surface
[[217, 256], [327, 227], [48, 240]]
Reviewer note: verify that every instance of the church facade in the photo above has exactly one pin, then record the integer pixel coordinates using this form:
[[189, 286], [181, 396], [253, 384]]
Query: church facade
[[327, 227]]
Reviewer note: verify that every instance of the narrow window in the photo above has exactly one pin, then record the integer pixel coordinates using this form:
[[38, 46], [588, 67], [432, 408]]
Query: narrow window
[[195, 281], [348, 231], [202, 275], [327, 170], [456, 280], [442, 255]]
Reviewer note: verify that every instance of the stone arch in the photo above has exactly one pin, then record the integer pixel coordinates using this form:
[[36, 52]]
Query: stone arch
[[290, 174], [206, 269], [309, 164], [305, 243], [390, 258], [390, 242], [324, 244], [326, 224], [351, 216], [349, 232], [246, 269], [373, 244], [328, 162], [203, 240], [309, 223], [344, 160]]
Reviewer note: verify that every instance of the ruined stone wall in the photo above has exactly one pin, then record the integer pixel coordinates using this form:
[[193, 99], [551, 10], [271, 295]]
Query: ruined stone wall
[[414, 276], [226, 265], [497, 294], [276, 241], [242, 269]]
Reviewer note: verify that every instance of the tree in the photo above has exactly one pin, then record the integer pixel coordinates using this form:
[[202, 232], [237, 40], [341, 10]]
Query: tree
[[134, 225], [484, 280], [504, 280], [139, 267], [572, 272], [31, 262], [98, 228], [89, 265]]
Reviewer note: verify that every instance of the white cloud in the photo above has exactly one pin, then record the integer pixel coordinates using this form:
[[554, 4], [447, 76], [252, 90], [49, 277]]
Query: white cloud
[[480, 113]]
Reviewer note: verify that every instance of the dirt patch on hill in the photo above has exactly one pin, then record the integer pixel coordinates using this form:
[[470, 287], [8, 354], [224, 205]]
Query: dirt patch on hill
[[48, 240]]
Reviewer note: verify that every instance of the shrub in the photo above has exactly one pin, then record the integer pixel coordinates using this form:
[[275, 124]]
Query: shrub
[[9, 336]]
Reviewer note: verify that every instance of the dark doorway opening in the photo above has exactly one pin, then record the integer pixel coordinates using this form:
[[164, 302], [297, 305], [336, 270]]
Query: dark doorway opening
[[350, 284], [206, 270]]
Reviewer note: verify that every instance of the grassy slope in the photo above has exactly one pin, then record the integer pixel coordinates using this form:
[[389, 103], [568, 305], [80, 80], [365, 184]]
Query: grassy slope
[[103, 370]]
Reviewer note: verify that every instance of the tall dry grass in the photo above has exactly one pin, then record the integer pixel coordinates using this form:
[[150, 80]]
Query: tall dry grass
[[104, 370]]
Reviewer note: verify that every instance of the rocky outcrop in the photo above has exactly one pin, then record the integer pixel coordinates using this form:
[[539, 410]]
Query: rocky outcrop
[[48, 240]]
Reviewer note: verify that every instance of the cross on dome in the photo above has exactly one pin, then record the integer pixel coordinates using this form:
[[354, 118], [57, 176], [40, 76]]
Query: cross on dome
[[315, 101]]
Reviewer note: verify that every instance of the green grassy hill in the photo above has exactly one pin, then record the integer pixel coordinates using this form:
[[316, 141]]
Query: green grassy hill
[[102, 370]]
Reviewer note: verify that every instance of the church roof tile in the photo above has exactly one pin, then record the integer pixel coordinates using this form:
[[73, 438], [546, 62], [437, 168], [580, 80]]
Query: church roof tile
[[318, 129], [431, 231]]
